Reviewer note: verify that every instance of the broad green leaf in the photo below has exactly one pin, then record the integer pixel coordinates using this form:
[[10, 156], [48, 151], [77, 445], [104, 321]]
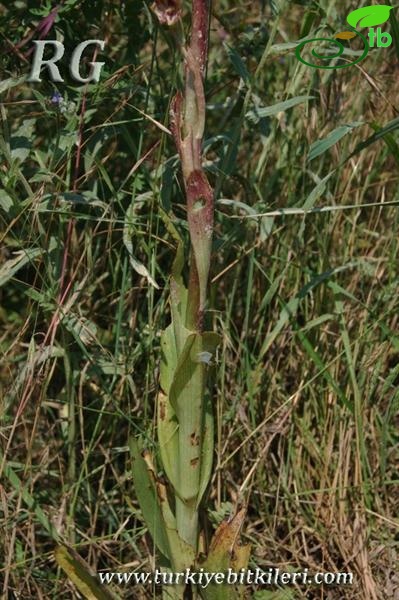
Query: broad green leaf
[[189, 363], [13, 265], [178, 291], [182, 555], [187, 399], [206, 452], [146, 492], [168, 439], [154, 504], [80, 574], [369, 16], [267, 111], [168, 358], [321, 146], [317, 191]]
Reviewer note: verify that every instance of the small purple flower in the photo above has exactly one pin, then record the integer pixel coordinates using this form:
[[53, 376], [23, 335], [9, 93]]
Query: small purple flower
[[56, 99]]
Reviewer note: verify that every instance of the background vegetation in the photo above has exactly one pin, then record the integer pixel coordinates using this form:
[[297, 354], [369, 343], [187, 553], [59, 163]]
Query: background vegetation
[[306, 385]]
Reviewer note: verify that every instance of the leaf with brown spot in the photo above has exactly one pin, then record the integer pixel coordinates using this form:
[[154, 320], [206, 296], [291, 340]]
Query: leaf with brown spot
[[200, 205], [168, 439], [199, 32], [146, 490], [225, 552]]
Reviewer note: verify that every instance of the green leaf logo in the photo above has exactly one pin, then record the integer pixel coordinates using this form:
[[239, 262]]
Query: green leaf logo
[[369, 16]]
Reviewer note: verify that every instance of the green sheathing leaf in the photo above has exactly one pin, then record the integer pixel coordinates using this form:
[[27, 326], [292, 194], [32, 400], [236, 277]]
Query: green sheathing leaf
[[200, 204], [187, 400], [168, 358], [154, 504], [168, 439], [206, 452], [146, 491]]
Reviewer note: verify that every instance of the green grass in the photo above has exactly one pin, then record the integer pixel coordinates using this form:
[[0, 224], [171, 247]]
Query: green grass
[[306, 386]]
